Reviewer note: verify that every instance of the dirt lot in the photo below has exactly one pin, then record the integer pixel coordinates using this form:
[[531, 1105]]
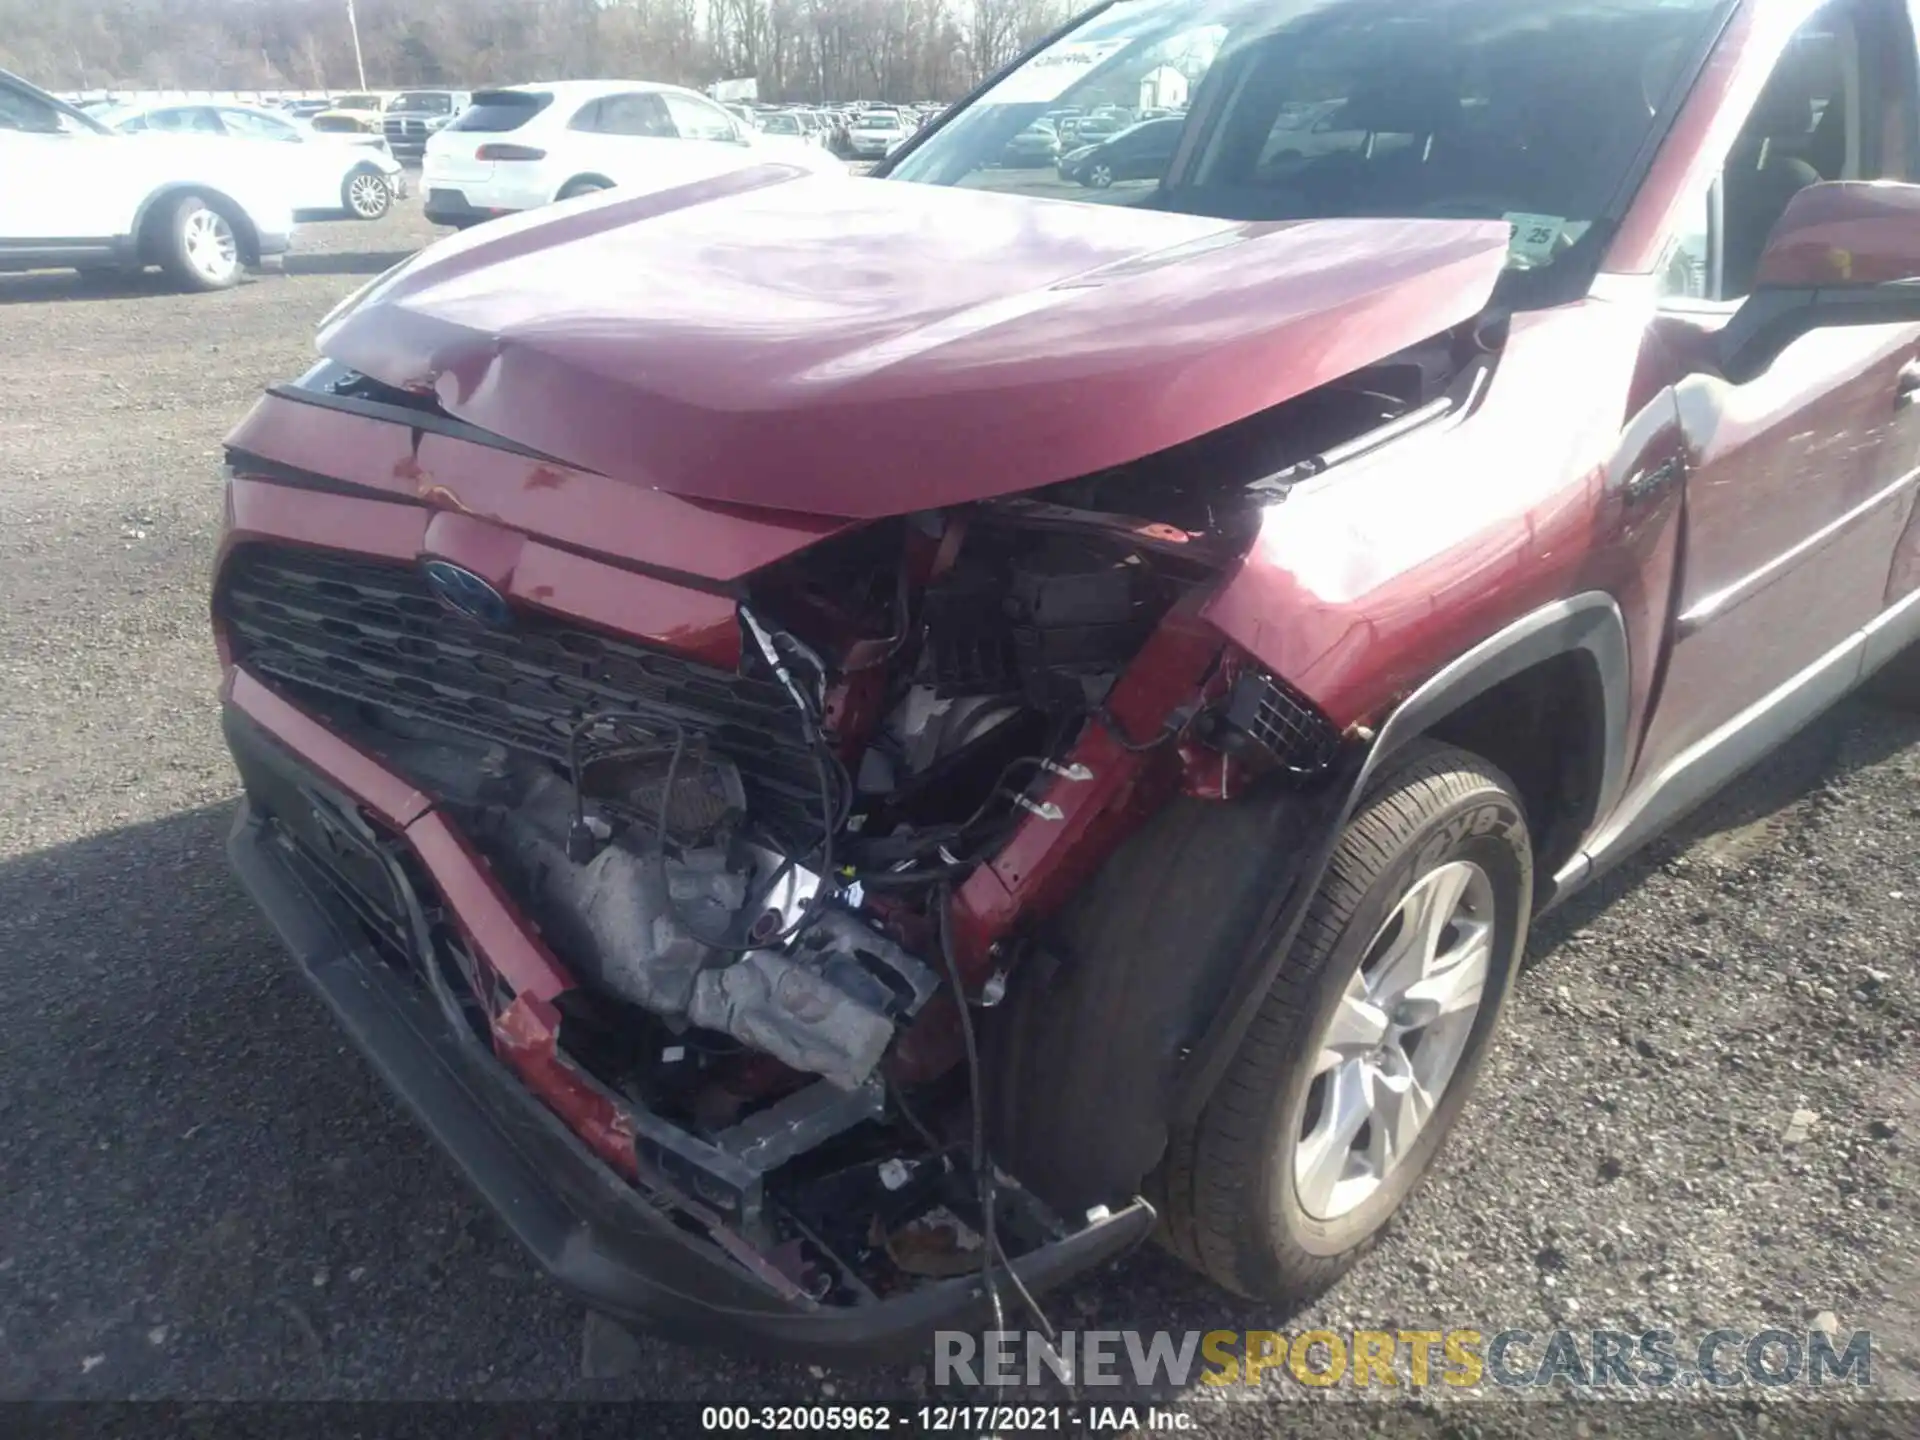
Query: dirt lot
[[207, 1194]]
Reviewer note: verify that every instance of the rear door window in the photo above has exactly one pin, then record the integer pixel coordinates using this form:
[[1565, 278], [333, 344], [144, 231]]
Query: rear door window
[[696, 120], [640, 114], [495, 112], [257, 127]]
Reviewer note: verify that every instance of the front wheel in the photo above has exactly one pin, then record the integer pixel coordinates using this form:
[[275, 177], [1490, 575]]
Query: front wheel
[[1365, 1048], [197, 245], [367, 195], [1100, 176]]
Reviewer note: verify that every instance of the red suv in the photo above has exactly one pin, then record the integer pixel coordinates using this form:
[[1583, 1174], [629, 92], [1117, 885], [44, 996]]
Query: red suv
[[855, 746]]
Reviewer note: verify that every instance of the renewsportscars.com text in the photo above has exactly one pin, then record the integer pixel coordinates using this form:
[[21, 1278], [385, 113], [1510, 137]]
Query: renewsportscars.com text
[[1412, 1359]]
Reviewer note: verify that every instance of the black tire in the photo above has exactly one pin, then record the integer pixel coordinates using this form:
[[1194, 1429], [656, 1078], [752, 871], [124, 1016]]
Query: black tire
[[1231, 1205], [1100, 176], [363, 200], [106, 277], [184, 225], [581, 187]]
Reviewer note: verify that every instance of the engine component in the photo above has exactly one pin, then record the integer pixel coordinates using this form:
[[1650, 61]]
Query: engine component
[[705, 794], [1050, 618], [927, 726], [865, 964], [793, 1013], [641, 926]]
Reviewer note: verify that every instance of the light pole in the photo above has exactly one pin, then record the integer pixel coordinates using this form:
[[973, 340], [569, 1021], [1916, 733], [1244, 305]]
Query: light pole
[[358, 64]]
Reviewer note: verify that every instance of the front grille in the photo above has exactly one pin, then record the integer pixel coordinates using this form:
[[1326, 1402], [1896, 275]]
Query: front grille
[[358, 639]]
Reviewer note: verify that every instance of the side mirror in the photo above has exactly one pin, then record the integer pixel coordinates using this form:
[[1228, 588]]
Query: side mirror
[[1845, 252]]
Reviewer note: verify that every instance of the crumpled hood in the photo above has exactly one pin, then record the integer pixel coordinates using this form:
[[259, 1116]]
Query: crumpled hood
[[861, 348]]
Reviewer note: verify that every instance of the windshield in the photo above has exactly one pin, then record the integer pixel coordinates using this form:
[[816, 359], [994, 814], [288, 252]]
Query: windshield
[[427, 104], [1527, 110]]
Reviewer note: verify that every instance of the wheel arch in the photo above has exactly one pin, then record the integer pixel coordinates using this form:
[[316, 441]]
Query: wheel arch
[[589, 177], [155, 204], [1571, 762], [1585, 631]]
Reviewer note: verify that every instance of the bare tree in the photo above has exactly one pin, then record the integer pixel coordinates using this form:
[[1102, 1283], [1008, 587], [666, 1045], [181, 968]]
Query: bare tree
[[798, 49]]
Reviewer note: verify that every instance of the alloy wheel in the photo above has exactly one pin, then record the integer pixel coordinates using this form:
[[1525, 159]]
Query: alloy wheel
[[1101, 176], [368, 195], [208, 243], [1394, 1040]]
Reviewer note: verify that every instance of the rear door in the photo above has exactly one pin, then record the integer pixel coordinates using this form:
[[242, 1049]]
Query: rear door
[[628, 138], [1799, 482], [60, 179]]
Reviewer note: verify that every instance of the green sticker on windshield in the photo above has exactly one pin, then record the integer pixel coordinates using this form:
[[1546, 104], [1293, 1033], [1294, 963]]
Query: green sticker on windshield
[[1533, 237]]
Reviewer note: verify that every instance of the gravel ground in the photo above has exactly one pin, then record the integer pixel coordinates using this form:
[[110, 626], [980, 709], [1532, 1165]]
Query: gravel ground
[[208, 1195]]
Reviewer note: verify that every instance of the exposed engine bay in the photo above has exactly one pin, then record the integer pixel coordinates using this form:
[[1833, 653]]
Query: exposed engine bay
[[767, 883]]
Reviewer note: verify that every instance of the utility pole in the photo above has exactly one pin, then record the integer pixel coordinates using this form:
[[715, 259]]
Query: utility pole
[[358, 64]]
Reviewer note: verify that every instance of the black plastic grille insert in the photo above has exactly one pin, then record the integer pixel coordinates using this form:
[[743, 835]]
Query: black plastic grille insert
[[346, 634]]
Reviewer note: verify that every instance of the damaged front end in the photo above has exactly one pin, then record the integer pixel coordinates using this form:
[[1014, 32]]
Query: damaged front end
[[735, 913]]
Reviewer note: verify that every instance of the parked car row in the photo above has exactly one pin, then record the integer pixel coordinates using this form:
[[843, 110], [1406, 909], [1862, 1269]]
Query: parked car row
[[523, 146], [1067, 139], [80, 193], [331, 174]]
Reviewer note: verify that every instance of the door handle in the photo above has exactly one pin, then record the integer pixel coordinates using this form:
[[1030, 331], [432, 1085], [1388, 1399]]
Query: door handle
[[1906, 389]]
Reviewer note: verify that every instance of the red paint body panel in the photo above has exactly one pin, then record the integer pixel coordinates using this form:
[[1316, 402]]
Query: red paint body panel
[[572, 507], [390, 799], [260, 510], [489, 919], [527, 1037], [868, 350], [526, 1033], [697, 623], [1845, 233], [1046, 860], [1364, 582]]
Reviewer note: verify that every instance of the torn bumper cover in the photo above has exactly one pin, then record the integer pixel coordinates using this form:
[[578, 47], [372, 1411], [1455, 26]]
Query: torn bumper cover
[[618, 1248]]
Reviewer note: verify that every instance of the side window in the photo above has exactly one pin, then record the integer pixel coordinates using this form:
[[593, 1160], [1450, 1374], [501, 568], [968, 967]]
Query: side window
[[697, 120], [587, 118], [187, 119], [1688, 273], [255, 127], [31, 114], [641, 114], [1839, 92]]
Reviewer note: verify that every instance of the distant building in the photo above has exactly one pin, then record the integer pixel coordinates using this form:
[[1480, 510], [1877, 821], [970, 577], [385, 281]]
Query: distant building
[[1163, 89]]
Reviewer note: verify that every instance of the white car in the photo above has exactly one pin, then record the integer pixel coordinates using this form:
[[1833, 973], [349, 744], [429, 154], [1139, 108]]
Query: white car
[[527, 145], [787, 125], [77, 195], [331, 173], [877, 134]]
